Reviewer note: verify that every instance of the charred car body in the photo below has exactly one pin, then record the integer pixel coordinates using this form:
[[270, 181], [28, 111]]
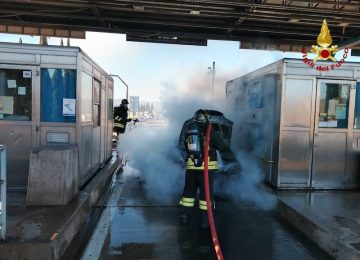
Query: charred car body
[[223, 126]]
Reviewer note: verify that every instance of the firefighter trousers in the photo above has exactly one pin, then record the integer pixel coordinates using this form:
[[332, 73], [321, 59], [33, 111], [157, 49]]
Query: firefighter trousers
[[194, 180]]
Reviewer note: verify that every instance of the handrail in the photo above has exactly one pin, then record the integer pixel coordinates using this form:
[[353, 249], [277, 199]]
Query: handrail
[[266, 160], [3, 192], [126, 85]]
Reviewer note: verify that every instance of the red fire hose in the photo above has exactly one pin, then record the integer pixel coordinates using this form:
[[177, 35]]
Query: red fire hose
[[207, 195]]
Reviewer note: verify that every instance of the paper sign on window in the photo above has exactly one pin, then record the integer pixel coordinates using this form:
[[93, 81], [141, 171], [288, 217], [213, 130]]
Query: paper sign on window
[[22, 91], [27, 74], [69, 107], [11, 83], [340, 111], [6, 105]]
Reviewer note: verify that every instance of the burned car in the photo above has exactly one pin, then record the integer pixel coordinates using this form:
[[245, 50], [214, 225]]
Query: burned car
[[223, 126]]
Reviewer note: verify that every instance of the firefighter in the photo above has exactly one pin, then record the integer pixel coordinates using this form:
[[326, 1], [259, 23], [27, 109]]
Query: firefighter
[[121, 117], [194, 177]]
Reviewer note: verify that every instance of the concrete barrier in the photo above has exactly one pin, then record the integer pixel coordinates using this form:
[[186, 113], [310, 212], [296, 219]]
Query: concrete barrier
[[53, 175]]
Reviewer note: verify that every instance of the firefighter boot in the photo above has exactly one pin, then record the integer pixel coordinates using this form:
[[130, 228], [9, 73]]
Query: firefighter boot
[[185, 216], [204, 216], [204, 219]]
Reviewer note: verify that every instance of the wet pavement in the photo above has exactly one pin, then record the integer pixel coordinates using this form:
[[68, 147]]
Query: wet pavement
[[329, 218], [136, 228]]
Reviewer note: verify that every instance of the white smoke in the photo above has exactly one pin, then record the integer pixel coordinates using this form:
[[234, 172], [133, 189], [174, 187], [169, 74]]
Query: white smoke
[[153, 150], [248, 186]]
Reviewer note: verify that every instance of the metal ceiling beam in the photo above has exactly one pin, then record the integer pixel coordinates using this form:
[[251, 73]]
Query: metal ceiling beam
[[189, 20], [350, 43], [206, 4]]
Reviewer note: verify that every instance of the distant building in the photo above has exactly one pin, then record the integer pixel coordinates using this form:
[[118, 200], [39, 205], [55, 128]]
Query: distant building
[[134, 106]]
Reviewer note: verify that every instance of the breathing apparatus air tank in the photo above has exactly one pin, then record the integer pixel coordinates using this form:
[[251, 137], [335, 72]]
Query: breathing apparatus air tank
[[195, 144]]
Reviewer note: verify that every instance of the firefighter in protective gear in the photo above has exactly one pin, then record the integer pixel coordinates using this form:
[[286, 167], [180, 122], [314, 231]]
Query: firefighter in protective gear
[[121, 117], [194, 176]]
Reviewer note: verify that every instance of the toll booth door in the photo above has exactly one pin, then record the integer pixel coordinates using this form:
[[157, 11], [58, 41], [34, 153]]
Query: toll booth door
[[18, 120], [332, 144]]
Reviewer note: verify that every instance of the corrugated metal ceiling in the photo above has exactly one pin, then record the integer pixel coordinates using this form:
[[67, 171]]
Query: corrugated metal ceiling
[[260, 24]]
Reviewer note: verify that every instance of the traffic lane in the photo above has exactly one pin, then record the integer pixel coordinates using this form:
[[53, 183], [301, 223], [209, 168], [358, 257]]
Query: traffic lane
[[155, 233], [144, 229]]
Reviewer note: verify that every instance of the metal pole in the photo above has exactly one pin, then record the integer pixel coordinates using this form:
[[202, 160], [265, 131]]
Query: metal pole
[[212, 71], [213, 76], [3, 191], [127, 87]]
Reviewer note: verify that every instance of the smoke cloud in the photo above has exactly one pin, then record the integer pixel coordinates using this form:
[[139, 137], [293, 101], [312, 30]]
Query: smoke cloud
[[153, 152]]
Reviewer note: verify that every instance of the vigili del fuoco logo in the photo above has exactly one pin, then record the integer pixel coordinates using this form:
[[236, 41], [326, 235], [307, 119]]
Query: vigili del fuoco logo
[[324, 51]]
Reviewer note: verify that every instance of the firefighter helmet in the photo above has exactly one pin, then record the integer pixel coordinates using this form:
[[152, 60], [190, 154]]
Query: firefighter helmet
[[124, 102], [201, 116]]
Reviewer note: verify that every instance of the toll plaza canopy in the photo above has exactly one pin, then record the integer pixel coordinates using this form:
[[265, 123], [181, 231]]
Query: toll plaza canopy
[[257, 24]]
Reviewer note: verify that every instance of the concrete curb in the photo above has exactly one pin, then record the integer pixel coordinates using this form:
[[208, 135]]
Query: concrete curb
[[93, 192], [319, 235]]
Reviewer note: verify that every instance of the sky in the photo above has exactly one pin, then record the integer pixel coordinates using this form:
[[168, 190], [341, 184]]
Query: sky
[[150, 68]]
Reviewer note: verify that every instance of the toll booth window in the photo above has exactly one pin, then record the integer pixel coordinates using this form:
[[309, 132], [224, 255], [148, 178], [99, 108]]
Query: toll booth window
[[357, 107], [15, 94], [96, 102], [58, 95], [334, 105]]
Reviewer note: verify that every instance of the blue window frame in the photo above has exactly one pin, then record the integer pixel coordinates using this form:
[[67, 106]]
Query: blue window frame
[[57, 85]]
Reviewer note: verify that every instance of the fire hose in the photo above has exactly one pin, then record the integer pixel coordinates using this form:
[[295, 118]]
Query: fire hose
[[207, 195]]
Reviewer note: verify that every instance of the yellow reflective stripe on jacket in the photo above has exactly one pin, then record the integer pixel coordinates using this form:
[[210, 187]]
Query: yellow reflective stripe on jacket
[[187, 202], [202, 205], [213, 165], [119, 125]]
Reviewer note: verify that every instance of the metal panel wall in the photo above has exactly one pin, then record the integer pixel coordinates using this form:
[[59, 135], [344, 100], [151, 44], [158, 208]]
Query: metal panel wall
[[109, 121], [84, 151], [295, 159], [17, 138], [353, 180], [103, 124], [296, 132], [297, 102], [59, 60], [96, 146], [330, 161]]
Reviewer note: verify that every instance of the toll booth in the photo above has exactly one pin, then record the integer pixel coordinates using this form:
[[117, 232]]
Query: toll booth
[[53, 99], [302, 123]]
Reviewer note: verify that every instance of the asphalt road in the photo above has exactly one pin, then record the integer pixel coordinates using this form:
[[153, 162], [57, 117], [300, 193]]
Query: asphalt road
[[134, 227]]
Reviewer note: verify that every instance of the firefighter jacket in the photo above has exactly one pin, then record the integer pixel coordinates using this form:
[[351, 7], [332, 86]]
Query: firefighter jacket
[[120, 118], [216, 143]]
